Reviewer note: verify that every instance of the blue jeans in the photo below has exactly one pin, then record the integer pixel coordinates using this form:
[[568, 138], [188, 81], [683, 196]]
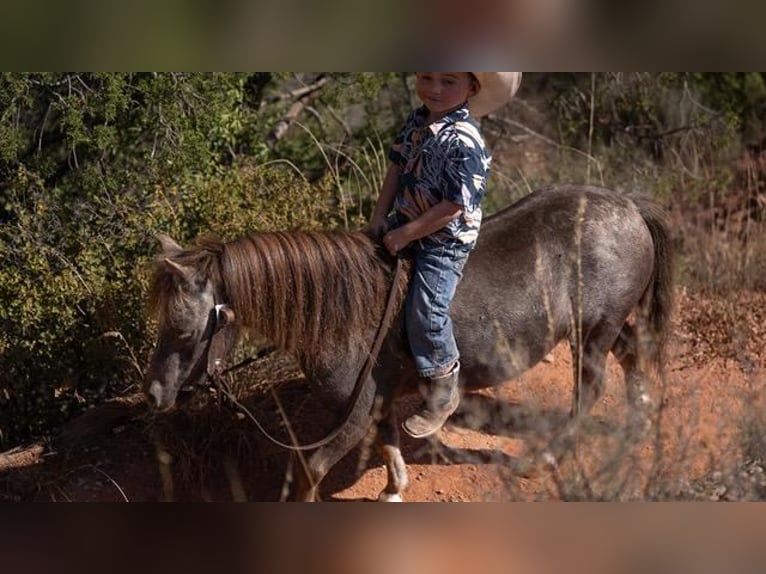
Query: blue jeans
[[438, 268]]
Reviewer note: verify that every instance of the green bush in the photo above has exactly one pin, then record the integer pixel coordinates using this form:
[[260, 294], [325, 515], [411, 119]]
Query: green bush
[[73, 331]]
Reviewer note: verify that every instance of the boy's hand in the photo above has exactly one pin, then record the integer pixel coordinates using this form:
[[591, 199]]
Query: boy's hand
[[377, 227], [396, 240]]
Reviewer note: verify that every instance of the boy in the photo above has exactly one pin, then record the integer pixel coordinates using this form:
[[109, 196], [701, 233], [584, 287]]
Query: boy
[[435, 184]]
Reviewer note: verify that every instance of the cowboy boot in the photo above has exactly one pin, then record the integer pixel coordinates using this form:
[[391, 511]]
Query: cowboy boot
[[441, 400]]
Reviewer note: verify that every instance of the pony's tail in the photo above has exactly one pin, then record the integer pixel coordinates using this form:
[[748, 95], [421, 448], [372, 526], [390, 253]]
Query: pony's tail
[[656, 304]]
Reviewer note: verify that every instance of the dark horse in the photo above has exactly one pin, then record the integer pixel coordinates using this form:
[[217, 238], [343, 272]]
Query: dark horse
[[568, 262]]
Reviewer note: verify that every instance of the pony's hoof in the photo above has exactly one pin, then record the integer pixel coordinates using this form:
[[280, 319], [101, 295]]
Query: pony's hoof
[[388, 497], [549, 461], [639, 426], [527, 468], [533, 467]]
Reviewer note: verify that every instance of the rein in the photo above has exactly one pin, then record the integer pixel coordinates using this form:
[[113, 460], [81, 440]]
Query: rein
[[353, 399]]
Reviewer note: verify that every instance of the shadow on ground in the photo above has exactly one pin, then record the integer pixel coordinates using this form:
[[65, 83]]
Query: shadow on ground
[[207, 451]]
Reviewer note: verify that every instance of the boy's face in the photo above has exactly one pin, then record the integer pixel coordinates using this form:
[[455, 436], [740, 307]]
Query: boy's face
[[443, 92]]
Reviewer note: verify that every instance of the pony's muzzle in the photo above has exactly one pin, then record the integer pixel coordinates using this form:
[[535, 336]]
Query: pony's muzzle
[[157, 398]]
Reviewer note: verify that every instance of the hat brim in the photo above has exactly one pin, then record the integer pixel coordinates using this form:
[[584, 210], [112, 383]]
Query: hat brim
[[496, 90]]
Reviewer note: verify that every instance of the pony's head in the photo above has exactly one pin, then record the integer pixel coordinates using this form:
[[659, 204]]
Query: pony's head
[[196, 327]]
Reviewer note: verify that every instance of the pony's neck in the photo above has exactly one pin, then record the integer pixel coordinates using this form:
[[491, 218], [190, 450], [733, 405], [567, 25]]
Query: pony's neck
[[309, 292]]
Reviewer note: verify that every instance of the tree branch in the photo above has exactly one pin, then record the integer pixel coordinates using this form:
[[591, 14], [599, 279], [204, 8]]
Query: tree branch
[[301, 92], [305, 95]]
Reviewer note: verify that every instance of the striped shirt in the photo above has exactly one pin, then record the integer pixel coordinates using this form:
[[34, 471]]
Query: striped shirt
[[444, 160]]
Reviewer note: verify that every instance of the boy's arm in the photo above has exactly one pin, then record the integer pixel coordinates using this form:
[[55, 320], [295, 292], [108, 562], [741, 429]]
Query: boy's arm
[[431, 221], [377, 225]]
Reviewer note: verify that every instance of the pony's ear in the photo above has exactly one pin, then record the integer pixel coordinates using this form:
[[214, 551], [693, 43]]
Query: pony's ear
[[169, 246], [183, 272]]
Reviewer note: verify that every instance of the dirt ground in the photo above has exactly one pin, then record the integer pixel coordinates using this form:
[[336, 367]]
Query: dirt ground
[[707, 440]]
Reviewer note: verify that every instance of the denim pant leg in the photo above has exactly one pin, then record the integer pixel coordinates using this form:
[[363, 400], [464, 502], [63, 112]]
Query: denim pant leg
[[438, 268]]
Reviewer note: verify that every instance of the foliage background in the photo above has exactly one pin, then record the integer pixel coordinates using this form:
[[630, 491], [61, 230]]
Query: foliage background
[[93, 165]]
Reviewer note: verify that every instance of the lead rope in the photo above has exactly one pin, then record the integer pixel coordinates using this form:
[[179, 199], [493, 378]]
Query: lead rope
[[363, 374]]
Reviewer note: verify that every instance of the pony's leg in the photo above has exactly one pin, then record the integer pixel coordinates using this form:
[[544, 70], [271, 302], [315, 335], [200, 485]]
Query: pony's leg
[[588, 369], [388, 443], [306, 484], [627, 351], [588, 372], [310, 475]]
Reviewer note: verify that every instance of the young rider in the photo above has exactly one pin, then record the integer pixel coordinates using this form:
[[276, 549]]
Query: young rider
[[434, 185]]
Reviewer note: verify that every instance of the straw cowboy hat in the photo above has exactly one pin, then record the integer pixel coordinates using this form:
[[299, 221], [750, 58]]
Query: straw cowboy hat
[[497, 89]]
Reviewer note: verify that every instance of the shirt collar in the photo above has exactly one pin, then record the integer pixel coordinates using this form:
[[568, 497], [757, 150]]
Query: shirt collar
[[458, 115]]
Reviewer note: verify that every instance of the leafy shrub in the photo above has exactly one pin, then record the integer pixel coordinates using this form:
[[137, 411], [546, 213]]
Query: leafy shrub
[[73, 331]]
